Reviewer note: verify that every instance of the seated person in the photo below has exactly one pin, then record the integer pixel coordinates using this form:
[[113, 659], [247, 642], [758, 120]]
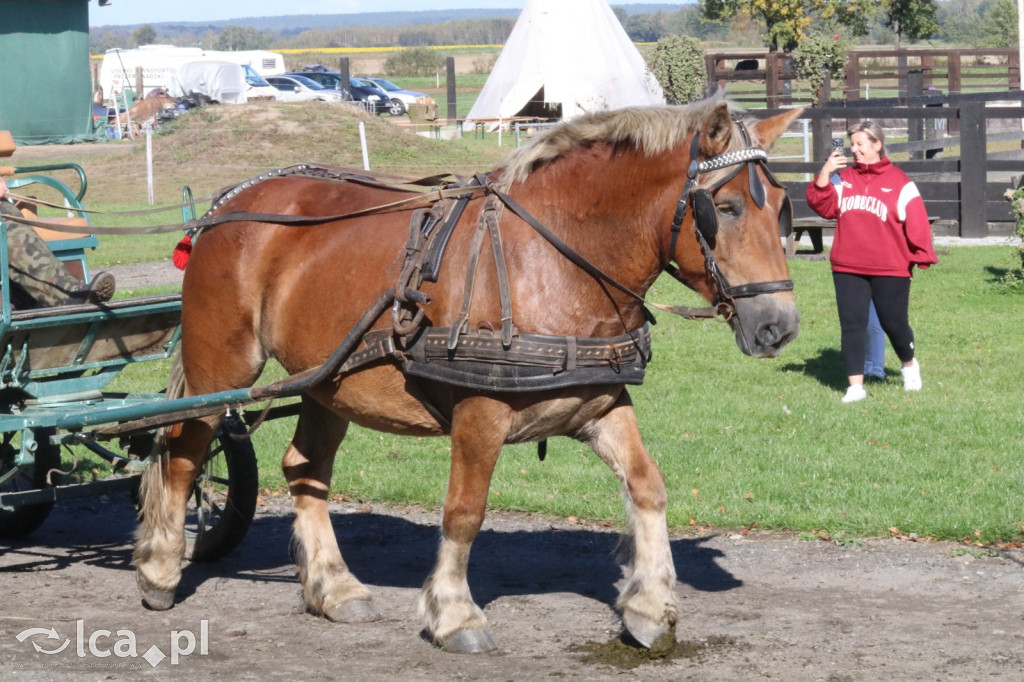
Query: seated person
[[38, 278]]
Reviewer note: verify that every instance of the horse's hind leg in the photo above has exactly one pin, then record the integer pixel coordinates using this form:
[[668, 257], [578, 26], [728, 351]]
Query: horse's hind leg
[[329, 588], [455, 622], [647, 601], [160, 543], [166, 485]]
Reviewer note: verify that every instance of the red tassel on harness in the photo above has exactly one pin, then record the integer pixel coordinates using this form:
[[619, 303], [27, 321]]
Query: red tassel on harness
[[182, 252]]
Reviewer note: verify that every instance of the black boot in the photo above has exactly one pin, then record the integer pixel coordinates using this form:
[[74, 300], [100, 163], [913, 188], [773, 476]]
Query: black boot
[[99, 289]]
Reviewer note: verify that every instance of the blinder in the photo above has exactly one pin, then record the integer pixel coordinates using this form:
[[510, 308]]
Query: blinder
[[705, 215], [786, 217]]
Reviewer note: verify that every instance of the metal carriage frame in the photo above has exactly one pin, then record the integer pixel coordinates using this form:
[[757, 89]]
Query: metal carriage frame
[[55, 368]]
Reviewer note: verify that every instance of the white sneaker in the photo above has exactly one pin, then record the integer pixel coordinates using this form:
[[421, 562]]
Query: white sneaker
[[855, 394], [912, 377]]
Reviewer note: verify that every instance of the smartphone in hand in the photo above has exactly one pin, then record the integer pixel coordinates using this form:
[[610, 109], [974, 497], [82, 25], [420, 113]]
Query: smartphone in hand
[[837, 144]]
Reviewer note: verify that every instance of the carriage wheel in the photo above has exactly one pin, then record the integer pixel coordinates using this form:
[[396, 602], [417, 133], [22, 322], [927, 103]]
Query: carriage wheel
[[18, 522], [223, 496]]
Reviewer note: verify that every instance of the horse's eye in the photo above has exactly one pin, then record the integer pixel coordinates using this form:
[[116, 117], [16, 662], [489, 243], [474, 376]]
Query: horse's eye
[[727, 208]]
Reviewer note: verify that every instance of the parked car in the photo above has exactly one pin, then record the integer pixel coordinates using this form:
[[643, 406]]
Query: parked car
[[374, 99], [400, 97], [294, 87], [363, 90]]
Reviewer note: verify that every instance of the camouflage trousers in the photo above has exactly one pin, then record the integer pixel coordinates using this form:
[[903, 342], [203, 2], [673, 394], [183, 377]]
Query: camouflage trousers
[[35, 273]]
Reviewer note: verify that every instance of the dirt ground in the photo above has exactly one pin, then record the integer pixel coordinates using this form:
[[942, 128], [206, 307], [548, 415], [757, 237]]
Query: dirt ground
[[753, 606]]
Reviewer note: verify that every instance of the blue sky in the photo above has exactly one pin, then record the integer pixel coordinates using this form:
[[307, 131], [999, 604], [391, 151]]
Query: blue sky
[[150, 11]]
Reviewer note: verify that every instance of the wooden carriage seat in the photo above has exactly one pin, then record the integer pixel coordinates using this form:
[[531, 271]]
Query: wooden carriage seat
[[54, 235]]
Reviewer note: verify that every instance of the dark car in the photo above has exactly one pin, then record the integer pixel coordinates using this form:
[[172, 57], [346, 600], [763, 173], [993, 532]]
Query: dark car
[[372, 97]]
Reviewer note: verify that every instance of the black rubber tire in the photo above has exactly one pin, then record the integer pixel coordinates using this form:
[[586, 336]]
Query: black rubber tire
[[223, 497], [16, 523], [397, 107]]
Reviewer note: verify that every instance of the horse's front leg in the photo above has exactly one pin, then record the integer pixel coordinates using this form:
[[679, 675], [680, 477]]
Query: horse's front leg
[[456, 623], [328, 586], [647, 601], [160, 539]]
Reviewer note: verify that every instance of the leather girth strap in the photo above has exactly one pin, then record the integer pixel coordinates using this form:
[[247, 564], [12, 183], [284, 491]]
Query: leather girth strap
[[531, 362]]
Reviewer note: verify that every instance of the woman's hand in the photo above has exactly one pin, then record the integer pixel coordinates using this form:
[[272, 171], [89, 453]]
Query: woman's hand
[[835, 161]]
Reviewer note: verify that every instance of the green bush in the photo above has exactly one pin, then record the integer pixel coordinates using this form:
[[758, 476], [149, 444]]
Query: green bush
[[1016, 199], [817, 56], [678, 64], [417, 61]]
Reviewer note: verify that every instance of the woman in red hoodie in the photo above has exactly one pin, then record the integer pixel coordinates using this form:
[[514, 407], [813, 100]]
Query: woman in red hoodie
[[882, 232]]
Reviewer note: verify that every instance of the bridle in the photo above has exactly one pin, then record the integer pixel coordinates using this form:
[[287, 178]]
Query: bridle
[[705, 217]]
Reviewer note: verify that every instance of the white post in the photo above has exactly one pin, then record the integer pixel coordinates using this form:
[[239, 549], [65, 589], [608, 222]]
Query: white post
[[149, 164], [127, 115], [362, 142], [117, 119]]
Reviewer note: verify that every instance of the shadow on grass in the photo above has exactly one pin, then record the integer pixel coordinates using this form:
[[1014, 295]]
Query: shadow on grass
[[826, 367]]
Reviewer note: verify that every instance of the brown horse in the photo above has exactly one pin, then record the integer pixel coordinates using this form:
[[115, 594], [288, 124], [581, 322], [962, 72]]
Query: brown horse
[[574, 229]]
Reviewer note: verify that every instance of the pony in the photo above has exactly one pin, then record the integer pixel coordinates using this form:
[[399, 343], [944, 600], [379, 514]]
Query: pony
[[534, 336]]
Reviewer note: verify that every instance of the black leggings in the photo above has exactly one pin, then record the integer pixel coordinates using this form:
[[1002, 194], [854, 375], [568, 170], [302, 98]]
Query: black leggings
[[892, 298]]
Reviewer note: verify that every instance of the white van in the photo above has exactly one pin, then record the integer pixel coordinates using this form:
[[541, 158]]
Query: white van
[[160, 64]]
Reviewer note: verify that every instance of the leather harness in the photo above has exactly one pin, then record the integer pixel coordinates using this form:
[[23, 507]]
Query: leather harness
[[508, 360]]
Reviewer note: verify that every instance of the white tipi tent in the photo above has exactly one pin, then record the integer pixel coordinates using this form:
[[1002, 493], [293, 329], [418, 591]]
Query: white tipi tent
[[571, 55]]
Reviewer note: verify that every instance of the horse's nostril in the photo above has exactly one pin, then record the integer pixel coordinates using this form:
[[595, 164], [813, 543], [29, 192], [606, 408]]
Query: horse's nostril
[[768, 335]]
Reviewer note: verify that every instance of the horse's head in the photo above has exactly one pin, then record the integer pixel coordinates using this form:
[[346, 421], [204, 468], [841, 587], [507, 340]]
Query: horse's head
[[726, 230]]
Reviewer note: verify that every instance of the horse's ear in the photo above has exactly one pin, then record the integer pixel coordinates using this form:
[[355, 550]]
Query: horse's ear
[[769, 129], [717, 131]]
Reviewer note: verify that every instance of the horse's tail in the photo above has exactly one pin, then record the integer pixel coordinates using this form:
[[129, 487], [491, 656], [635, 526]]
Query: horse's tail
[[152, 492]]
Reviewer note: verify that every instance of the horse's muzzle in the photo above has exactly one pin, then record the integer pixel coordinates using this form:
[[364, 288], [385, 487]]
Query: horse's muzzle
[[765, 324]]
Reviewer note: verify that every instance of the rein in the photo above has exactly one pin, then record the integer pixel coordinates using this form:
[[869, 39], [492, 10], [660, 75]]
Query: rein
[[723, 306], [429, 197]]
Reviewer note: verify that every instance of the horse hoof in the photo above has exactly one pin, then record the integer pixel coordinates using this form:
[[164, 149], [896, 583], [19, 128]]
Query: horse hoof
[[653, 636], [156, 599], [353, 611], [665, 643], [469, 642]]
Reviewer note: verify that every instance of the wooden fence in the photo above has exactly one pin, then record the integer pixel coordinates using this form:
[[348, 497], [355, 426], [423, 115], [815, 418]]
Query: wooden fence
[[868, 73], [962, 177]]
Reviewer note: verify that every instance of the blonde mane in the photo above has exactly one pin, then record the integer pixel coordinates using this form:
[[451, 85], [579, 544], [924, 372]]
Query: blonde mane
[[650, 130]]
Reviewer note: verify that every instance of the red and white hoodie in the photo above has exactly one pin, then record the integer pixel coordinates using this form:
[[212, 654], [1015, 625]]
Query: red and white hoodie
[[882, 226]]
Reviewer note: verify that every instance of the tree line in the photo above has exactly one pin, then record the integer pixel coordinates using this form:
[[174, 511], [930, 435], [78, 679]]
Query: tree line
[[777, 24]]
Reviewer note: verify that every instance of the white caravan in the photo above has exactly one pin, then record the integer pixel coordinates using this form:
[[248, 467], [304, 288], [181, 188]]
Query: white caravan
[[160, 66]]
